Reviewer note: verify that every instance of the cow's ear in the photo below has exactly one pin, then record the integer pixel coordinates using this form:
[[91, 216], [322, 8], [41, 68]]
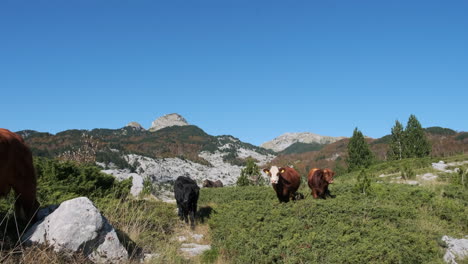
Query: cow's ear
[[282, 170], [266, 171]]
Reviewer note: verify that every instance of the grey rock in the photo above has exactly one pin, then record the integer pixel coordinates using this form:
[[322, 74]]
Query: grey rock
[[135, 125], [77, 225], [282, 142], [120, 175], [168, 121], [456, 249], [193, 249], [429, 177], [197, 237]]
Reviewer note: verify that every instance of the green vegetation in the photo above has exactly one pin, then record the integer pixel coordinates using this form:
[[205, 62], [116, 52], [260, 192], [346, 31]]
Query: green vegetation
[[363, 183], [393, 223], [407, 173], [359, 153], [250, 175], [142, 225], [415, 142], [462, 136], [440, 131], [300, 147], [60, 181], [396, 144], [411, 142]]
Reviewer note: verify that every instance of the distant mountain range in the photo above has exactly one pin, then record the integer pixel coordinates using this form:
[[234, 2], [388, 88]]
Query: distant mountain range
[[284, 141], [172, 147]]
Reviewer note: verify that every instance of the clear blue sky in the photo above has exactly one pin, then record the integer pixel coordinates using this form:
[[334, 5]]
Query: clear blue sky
[[252, 69]]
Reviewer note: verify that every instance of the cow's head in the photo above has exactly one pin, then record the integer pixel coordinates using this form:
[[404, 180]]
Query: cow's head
[[274, 173], [328, 175]]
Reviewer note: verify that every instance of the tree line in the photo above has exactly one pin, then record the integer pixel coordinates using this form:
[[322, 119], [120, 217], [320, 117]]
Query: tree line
[[408, 142]]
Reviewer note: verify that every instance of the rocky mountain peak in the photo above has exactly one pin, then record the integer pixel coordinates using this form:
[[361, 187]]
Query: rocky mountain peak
[[282, 142], [135, 125], [168, 121]]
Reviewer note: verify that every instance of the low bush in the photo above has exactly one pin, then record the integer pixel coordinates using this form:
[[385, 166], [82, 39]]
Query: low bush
[[394, 223]]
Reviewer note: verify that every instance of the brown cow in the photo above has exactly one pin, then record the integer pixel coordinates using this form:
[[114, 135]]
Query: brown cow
[[17, 173], [285, 182], [318, 181], [212, 184]]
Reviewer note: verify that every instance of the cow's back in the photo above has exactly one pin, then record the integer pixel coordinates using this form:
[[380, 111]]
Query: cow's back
[[17, 173], [16, 165], [293, 177], [184, 185], [315, 178]]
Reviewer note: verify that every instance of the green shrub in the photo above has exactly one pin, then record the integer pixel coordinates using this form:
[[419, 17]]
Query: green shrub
[[363, 184], [407, 173], [395, 224], [59, 181]]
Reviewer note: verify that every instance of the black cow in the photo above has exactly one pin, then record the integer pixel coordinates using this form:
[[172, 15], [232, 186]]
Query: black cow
[[186, 193]]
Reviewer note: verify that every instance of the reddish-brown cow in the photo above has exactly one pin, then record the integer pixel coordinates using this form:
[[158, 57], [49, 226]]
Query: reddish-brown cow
[[285, 182], [212, 184], [318, 181], [17, 173]]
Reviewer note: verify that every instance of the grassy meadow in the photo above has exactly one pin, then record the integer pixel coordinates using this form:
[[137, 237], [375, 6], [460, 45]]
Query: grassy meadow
[[391, 223]]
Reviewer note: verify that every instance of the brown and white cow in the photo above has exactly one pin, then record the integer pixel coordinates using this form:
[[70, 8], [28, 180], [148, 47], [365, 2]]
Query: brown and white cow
[[319, 180], [285, 182], [17, 173]]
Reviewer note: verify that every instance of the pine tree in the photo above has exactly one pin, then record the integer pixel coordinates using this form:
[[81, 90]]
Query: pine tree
[[415, 141], [396, 144], [359, 153], [250, 175], [363, 183]]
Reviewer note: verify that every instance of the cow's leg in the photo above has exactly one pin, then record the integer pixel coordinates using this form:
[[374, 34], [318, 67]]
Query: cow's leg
[[26, 205], [193, 212], [328, 193], [180, 212], [192, 219], [186, 213], [314, 193]]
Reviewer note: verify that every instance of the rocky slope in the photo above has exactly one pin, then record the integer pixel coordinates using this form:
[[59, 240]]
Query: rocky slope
[[166, 170], [282, 142], [135, 125], [168, 121], [176, 149]]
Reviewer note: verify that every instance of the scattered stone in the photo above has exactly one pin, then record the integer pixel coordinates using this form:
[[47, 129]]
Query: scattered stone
[[77, 225], [197, 237], [456, 249], [148, 257], [440, 166], [412, 182], [181, 238], [193, 249], [429, 177]]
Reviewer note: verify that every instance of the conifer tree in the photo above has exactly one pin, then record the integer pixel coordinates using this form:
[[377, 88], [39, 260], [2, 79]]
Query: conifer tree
[[396, 144], [415, 141], [359, 153], [250, 175]]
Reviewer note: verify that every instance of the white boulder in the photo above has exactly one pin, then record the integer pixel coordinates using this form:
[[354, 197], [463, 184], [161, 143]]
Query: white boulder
[[456, 249], [77, 225]]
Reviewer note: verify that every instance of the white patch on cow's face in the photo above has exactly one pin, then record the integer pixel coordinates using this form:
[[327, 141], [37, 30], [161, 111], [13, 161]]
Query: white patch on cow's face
[[274, 174]]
